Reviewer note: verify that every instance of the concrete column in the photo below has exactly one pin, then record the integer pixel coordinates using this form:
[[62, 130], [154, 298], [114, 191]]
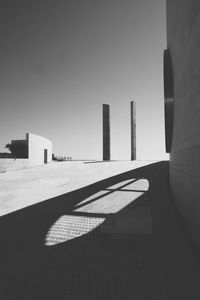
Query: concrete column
[[133, 130], [106, 132]]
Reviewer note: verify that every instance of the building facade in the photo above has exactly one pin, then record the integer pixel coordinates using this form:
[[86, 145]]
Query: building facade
[[183, 47], [33, 151]]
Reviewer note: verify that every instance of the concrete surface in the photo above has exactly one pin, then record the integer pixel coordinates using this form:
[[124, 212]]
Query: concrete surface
[[22, 188], [11, 164], [36, 146], [183, 40], [133, 130], [52, 251], [106, 132]]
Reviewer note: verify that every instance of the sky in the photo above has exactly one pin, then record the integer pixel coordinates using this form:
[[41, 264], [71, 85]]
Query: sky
[[61, 60]]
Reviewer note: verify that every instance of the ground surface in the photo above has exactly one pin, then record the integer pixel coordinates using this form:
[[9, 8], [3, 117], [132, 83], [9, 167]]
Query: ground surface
[[22, 188], [118, 237]]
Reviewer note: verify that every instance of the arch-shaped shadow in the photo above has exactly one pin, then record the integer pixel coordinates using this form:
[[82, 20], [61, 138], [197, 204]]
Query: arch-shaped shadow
[[100, 208], [95, 266]]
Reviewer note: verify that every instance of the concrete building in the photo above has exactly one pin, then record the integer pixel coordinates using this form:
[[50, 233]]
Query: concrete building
[[33, 151], [106, 132], [183, 43], [133, 130]]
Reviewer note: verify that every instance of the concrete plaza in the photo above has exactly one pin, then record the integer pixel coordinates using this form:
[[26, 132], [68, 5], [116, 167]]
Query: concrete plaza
[[19, 189], [86, 230]]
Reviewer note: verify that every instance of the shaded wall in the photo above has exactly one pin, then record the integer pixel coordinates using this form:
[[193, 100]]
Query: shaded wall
[[106, 132], [183, 41], [20, 148], [133, 130]]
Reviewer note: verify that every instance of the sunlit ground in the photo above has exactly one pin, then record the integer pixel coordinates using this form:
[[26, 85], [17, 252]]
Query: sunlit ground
[[69, 227], [19, 189]]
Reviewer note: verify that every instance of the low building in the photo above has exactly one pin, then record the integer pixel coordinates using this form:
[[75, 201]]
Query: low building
[[33, 151]]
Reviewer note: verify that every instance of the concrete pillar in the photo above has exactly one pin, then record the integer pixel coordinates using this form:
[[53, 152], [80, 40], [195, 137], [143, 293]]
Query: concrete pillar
[[106, 132], [133, 130]]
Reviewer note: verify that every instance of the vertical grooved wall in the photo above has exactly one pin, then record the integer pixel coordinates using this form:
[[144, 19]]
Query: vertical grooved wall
[[183, 40]]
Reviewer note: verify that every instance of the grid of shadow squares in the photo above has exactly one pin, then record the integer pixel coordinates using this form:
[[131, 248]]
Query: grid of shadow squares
[[105, 202]]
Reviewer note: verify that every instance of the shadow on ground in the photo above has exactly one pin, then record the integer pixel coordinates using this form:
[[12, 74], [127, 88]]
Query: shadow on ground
[[40, 259]]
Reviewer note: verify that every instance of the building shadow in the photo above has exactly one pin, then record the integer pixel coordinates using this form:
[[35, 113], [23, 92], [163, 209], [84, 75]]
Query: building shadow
[[100, 161], [118, 238]]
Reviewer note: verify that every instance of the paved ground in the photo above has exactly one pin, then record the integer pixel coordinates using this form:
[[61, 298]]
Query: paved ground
[[22, 188], [79, 245]]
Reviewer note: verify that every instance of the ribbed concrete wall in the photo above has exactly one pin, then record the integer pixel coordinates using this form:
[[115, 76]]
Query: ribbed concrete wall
[[183, 39], [36, 146]]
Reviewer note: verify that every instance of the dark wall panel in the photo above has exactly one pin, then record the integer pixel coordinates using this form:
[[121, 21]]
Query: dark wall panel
[[183, 42]]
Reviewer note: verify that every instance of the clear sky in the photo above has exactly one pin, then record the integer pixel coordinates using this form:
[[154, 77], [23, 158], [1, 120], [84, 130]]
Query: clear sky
[[62, 59]]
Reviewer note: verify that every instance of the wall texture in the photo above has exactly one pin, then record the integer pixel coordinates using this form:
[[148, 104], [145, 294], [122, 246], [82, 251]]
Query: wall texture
[[183, 42], [36, 146], [11, 164]]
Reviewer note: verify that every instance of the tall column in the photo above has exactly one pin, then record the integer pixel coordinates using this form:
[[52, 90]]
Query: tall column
[[106, 132], [133, 130]]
